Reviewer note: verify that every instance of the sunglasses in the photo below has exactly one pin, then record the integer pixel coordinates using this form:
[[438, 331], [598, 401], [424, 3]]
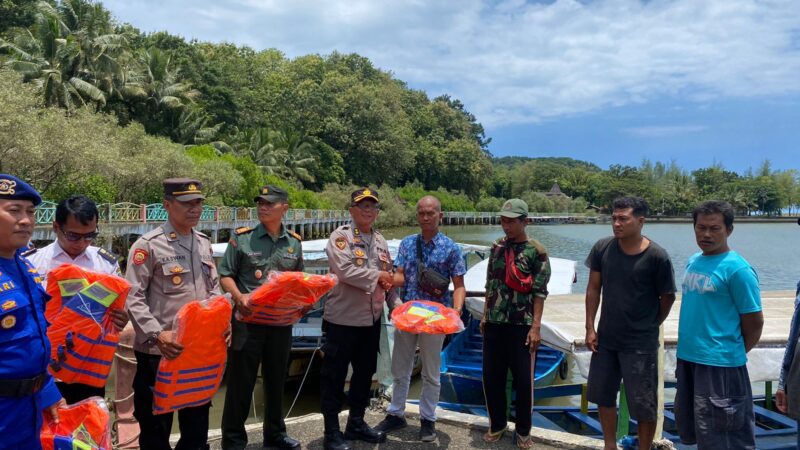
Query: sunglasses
[[75, 237]]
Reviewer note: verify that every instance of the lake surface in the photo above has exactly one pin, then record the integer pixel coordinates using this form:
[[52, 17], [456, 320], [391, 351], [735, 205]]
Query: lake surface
[[772, 248]]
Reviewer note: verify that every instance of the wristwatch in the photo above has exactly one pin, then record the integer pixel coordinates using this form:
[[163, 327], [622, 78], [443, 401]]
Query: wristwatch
[[152, 338]]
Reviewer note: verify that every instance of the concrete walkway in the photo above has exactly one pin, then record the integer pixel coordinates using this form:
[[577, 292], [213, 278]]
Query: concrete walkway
[[455, 431]]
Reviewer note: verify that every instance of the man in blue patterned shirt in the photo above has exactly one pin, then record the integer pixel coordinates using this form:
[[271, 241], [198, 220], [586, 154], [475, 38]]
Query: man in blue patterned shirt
[[442, 255]]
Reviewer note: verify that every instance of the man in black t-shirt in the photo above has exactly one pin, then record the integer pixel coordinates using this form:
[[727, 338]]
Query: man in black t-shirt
[[637, 282]]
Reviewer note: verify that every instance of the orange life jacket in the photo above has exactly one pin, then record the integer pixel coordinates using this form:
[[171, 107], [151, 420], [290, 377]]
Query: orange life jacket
[[285, 297], [82, 338], [194, 376], [86, 425], [422, 316]]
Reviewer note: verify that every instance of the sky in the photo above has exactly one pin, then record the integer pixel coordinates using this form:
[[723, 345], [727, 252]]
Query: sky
[[611, 82]]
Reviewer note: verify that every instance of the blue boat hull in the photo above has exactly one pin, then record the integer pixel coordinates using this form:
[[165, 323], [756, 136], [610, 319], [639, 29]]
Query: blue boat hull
[[461, 373]]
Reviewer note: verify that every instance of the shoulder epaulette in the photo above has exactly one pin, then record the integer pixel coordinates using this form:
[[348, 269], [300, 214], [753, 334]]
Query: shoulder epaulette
[[107, 255], [243, 230], [294, 235], [538, 246], [29, 251], [202, 235], [153, 233]]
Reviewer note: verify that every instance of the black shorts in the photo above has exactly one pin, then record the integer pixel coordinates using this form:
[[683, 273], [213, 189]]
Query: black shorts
[[637, 369], [714, 406]]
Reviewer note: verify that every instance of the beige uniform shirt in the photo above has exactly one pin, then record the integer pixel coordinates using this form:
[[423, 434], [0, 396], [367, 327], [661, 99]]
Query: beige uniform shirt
[[166, 271], [357, 300]]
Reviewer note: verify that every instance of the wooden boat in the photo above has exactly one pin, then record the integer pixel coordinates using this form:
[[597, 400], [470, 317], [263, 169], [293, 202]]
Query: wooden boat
[[461, 372]]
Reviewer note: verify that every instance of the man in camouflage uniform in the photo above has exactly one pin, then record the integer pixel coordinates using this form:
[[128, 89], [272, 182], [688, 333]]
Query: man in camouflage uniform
[[516, 287], [252, 253]]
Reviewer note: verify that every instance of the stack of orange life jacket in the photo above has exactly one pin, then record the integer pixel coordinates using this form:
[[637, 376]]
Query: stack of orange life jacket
[[194, 376], [86, 425], [286, 296], [422, 316], [82, 337]]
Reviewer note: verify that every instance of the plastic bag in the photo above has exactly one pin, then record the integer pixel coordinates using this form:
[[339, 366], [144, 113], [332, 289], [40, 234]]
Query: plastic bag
[[286, 296], [83, 425], [194, 376], [82, 337], [422, 316]]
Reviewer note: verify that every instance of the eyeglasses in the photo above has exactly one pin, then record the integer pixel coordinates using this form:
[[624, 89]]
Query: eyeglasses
[[366, 207], [75, 237]]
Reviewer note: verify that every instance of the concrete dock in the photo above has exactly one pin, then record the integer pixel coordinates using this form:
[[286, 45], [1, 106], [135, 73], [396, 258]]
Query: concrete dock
[[454, 430]]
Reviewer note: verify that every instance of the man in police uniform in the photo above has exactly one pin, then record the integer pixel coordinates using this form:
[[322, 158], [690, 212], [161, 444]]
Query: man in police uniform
[[359, 256], [75, 226], [167, 268], [26, 389], [251, 254]]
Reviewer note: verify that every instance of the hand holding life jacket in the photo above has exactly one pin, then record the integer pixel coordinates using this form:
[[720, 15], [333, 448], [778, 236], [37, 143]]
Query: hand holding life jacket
[[84, 425], [286, 296], [194, 376], [422, 316], [82, 337]]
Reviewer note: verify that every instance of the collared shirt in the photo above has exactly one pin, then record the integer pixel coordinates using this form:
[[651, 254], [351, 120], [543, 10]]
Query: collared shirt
[[357, 300], [166, 271], [93, 258], [441, 254], [252, 253], [503, 304]]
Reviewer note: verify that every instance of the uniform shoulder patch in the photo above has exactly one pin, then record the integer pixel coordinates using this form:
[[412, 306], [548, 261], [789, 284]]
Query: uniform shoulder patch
[[243, 230], [294, 235], [29, 251], [538, 246], [107, 255], [151, 234]]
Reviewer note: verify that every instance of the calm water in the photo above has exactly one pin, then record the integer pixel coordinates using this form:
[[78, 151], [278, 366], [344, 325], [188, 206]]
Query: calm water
[[773, 249]]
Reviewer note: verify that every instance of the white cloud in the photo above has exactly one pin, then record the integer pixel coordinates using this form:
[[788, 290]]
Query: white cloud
[[517, 62], [664, 131]]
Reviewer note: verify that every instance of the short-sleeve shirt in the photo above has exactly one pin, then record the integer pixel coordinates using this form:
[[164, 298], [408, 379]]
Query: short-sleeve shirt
[[503, 304], [441, 254], [252, 253], [717, 289], [631, 290], [93, 258]]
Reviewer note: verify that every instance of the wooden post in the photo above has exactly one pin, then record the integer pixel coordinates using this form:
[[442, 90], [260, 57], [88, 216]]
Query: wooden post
[[768, 395], [584, 399], [623, 417]]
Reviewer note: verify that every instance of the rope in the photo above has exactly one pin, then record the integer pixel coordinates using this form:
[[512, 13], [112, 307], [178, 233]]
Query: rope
[[303, 381]]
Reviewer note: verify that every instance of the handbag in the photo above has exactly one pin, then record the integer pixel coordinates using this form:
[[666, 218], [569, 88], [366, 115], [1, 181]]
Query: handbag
[[514, 278], [430, 281]]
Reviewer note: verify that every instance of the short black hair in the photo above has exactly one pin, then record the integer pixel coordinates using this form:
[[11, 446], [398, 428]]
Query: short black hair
[[79, 206], [637, 204], [714, 207]]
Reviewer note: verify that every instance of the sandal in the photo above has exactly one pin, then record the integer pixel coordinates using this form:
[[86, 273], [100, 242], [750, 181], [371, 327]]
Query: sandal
[[523, 442], [494, 436]]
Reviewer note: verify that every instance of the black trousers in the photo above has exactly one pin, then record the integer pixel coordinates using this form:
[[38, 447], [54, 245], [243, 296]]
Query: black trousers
[[346, 345], [155, 428], [75, 392], [504, 349], [255, 345]]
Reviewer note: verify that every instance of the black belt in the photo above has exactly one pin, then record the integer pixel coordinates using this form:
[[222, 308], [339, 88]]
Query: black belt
[[23, 387]]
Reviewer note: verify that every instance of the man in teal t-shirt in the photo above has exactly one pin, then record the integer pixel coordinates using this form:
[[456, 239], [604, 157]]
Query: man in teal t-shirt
[[720, 322]]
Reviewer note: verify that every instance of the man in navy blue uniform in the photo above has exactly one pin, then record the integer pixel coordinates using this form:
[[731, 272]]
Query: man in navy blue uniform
[[26, 389]]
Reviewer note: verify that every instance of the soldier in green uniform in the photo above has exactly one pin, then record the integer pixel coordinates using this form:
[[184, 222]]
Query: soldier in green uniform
[[251, 254], [516, 287]]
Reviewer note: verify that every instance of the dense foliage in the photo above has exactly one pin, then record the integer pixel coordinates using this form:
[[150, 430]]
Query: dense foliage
[[93, 106]]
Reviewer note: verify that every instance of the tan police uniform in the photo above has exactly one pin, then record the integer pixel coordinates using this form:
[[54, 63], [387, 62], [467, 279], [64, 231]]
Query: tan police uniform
[[167, 270]]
